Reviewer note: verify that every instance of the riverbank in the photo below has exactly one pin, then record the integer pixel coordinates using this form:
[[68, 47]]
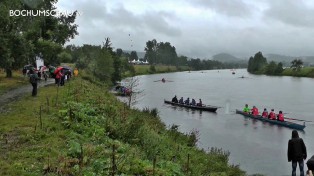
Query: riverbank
[[80, 129], [304, 72]]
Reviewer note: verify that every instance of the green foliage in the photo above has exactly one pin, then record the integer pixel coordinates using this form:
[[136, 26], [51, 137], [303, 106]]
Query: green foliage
[[152, 69], [296, 65], [64, 57], [256, 63]]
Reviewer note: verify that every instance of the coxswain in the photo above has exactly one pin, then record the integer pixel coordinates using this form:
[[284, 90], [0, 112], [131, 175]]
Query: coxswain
[[174, 99], [246, 109], [272, 115], [265, 113], [280, 116], [163, 80]]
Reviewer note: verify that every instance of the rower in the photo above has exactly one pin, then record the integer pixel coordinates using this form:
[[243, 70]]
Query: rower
[[255, 111], [174, 99], [199, 103], [280, 117], [272, 115], [265, 113], [193, 103], [187, 101], [246, 109], [181, 100]]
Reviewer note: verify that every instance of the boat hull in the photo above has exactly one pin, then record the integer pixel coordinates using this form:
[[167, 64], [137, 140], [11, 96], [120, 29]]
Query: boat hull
[[285, 123], [202, 108]]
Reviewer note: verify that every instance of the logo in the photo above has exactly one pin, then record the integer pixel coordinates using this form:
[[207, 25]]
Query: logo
[[34, 13]]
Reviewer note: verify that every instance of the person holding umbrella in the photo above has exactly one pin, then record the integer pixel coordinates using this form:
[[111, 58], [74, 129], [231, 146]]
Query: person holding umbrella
[[58, 74]]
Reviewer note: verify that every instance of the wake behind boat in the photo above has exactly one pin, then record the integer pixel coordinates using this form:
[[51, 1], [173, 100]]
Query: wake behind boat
[[204, 108], [280, 123]]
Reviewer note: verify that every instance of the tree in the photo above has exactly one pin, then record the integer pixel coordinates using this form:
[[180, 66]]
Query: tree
[[133, 55], [102, 65], [256, 63], [271, 68], [166, 54], [279, 69], [65, 57], [119, 52], [151, 51], [296, 64]]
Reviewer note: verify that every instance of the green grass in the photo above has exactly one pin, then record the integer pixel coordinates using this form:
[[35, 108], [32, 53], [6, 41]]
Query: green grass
[[10, 83], [304, 72], [85, 127]]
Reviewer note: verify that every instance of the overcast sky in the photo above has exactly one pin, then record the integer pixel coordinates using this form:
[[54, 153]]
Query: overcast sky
[[199, 28]]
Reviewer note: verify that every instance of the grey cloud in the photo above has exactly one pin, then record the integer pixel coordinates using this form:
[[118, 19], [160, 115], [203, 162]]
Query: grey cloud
[[295, 13], [233, 8]]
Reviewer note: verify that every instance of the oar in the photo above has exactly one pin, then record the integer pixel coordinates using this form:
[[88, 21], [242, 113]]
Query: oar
[[212, 106], [298, 119]]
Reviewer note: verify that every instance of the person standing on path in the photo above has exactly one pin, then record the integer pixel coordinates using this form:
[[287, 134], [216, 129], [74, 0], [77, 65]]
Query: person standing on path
[[296, 153], [33, 79]]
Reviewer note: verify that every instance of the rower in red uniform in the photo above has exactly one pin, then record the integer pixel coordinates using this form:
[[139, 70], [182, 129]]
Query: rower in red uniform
[[255, 111], [265, 113], [272, 115], [280, 116]]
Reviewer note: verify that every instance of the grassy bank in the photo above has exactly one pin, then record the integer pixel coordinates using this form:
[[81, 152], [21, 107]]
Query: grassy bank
[[146, 69], [80, 129], [10, 83], [304, 72]]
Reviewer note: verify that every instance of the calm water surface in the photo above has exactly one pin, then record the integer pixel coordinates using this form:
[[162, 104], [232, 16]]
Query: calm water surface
[[258, 147]]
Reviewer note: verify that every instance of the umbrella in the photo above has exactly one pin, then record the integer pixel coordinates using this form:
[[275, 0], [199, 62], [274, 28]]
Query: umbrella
[[57, 70], [28, 67]]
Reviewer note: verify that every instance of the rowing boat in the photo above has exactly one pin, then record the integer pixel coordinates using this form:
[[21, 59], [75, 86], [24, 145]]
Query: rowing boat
[[285, 123], [204, 108]]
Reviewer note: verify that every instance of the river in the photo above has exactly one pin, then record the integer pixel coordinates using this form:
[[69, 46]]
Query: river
[[256, 146]]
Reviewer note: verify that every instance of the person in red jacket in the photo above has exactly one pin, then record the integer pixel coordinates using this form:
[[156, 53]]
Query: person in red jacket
[[280, 116], [265, 113], [255, 111], [272, 115]]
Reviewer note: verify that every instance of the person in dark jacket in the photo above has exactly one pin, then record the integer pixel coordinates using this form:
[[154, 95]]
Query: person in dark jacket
[[296, 152], [33, 79], [174, 99]]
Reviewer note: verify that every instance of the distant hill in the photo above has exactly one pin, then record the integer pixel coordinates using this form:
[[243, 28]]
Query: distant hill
[[286, 60], [225, 57]]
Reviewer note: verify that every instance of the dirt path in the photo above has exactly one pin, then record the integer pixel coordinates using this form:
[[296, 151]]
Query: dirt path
[[17, 93]]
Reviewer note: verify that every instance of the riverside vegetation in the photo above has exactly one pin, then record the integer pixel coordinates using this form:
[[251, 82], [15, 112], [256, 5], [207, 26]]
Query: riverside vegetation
[[82, 129]]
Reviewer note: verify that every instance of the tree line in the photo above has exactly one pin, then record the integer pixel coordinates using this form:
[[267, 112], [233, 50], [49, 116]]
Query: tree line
[[259, 65]]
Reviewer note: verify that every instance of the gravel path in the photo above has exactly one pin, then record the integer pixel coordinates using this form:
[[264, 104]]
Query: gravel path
[[17, 93]]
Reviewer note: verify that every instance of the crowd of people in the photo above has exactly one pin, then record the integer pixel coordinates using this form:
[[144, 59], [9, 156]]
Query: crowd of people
[[271, 115], [60, 74], [187, 101]]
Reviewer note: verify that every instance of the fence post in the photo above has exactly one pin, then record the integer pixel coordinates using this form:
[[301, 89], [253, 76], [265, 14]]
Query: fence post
[[40, 120]]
